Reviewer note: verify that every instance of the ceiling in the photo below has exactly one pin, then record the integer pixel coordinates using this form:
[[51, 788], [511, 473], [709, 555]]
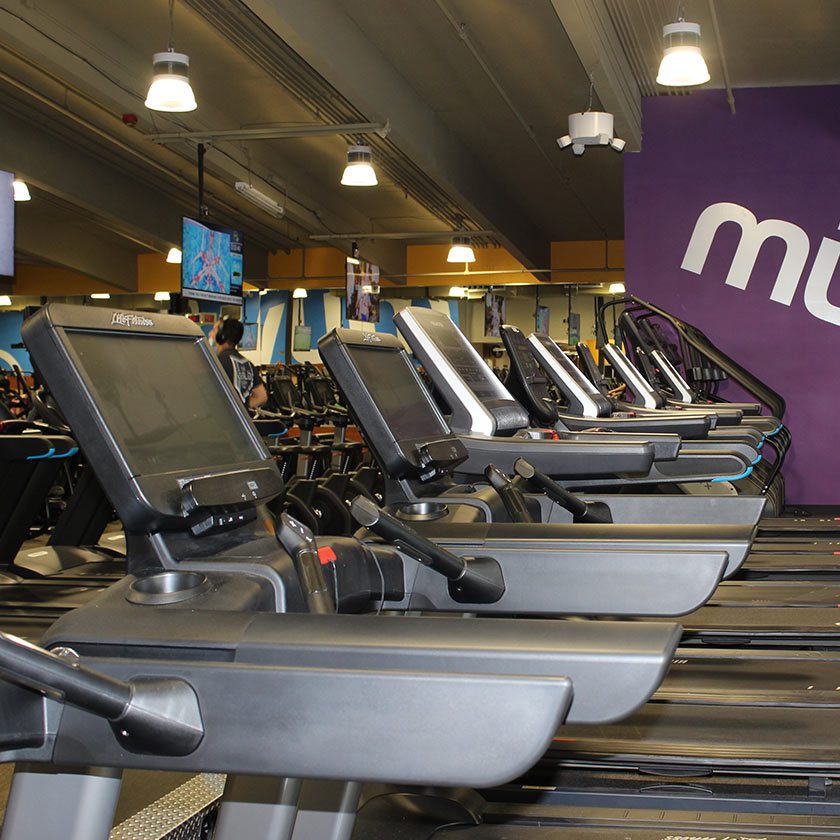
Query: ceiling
[[475, 92]]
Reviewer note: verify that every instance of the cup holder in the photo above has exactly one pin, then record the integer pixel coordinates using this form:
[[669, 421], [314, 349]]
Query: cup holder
[[167, 587]]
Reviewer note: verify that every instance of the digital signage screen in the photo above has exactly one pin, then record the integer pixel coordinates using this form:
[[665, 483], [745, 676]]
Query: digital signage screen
[[211, 262], [7, 225]]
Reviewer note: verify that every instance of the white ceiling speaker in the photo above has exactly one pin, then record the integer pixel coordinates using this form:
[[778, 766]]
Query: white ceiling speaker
[[590, 128]]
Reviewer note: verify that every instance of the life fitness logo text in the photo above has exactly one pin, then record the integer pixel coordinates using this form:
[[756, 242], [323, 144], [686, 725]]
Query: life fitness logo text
[[126, 319], [753, 236]]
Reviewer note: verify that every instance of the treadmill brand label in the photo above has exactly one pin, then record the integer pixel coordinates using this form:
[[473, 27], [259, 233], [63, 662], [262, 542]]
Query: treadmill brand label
[[713, 837], [753, 235], [131, 319]]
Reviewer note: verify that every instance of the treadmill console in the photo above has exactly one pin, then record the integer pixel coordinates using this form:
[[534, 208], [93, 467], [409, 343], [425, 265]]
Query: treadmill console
[[527, 382], [403, 427], [162, 426], [582, 396], [478, 401]]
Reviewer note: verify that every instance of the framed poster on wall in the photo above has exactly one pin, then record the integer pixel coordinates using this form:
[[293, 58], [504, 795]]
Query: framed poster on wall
[[494, 314], [363, 292], [541, 321], [574, 327]]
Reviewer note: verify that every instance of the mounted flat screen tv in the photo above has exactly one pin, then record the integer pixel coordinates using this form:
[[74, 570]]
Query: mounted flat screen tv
[[211, 262], [7, 225]]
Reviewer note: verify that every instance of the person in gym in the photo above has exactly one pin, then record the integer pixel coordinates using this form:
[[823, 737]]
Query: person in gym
[[226, 334]]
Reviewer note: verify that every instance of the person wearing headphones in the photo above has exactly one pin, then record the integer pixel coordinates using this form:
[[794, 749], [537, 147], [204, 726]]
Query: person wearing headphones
[[226, 334]]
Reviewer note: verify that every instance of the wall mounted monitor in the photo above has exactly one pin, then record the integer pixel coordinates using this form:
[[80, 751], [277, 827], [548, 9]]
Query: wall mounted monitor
[[211, 262], [7, 225]]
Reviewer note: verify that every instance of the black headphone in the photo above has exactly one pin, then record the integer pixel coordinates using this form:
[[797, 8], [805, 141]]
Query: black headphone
[[230, 331]]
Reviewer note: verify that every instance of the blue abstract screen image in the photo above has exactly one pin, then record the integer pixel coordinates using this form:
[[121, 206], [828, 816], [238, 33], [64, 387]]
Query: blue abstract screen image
[[211, 262]]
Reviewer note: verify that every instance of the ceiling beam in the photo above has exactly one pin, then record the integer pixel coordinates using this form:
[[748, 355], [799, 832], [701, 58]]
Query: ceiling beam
[[322, 33], [56, 166], [47, 234]]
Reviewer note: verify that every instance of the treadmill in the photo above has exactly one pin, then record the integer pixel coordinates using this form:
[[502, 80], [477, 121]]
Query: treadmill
[[493, 425]]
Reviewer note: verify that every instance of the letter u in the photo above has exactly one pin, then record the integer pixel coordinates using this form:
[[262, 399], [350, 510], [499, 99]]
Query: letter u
[[816, 289]]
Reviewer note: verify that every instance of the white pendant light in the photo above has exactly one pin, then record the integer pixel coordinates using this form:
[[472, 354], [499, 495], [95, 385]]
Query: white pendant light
[[299, 294], [359, 171], [617, 289], [174, 256], [170, 89], [100, 296], [162, 296], [682, 64], [5, 300], [457, 292], [460, 251], [21, 191]]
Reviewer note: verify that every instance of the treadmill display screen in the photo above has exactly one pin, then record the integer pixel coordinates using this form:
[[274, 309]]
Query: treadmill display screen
[[467, 363], [154, 395], [518, 345], [398, 392]]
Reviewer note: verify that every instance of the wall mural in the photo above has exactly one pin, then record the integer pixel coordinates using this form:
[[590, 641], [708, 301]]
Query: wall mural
[[731, 223]]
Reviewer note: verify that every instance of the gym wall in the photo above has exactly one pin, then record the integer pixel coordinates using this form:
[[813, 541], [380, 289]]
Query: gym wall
[[731, 222]]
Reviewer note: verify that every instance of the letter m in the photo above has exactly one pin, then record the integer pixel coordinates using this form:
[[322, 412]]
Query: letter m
[[753, 236]]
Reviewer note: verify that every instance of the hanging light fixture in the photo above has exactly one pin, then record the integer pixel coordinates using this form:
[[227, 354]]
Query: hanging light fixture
[[162, 296], [100, 296], [170, 89], [5, 300], [617, 289], [21, 191], [174, 256], [460, 251], [457, 292], [682, 64], [359, 171], [299, 294]]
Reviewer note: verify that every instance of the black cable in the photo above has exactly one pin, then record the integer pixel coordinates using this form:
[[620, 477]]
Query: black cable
[[80, 57]]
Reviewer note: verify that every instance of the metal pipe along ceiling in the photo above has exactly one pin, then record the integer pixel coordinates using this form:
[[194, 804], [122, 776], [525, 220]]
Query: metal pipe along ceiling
[[253, 39]]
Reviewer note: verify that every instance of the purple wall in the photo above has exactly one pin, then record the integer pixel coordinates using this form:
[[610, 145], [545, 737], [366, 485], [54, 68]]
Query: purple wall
[[778, 158]]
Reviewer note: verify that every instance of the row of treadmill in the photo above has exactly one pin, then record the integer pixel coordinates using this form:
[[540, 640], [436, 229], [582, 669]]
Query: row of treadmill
[[569, 619]]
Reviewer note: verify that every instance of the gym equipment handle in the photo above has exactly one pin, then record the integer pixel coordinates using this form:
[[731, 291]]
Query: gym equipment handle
[[581, 511], [477, 580], [158, 715], [511, 496], [299, 541]]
